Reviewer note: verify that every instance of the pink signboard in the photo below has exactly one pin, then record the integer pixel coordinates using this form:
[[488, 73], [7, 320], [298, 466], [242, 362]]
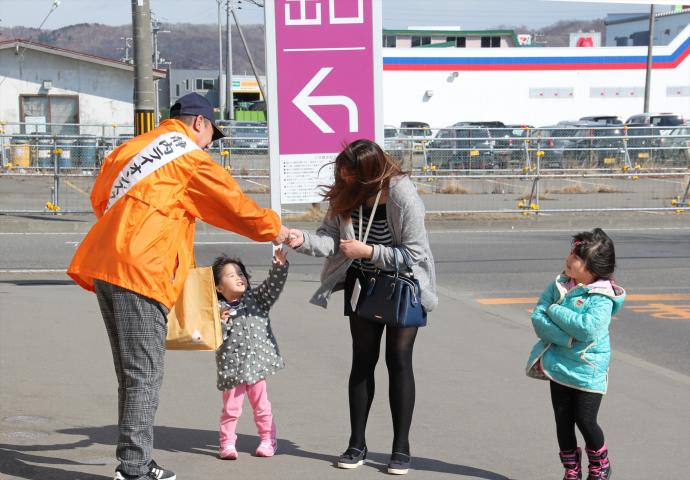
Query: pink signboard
[[324, 76]]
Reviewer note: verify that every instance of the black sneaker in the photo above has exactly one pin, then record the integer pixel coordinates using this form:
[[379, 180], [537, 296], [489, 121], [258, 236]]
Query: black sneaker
[[352, 457], [155, 473], [399, 463]]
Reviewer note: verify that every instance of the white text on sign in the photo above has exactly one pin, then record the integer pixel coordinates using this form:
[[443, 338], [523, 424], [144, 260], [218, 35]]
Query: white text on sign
[[302, 17]]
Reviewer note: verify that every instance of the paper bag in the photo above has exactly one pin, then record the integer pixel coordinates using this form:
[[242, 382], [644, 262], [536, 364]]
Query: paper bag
[[194, 320]]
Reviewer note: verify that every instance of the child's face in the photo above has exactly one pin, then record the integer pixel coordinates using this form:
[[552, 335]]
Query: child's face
[[576, 269], [233, 283]]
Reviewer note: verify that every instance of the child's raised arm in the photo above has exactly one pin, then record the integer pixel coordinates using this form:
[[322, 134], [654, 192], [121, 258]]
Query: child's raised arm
[[270, 289]]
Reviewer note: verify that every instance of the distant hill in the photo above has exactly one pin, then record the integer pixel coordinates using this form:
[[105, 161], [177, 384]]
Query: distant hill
[[186, 46], [196, 46]]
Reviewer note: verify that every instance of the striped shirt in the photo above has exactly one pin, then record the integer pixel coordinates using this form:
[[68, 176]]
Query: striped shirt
[[379, 234]]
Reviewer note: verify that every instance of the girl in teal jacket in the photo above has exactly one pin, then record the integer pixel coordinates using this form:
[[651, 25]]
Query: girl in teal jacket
[[572, 321]]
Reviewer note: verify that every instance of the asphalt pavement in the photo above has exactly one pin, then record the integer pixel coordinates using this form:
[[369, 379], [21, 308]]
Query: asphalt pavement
[[477, 415]]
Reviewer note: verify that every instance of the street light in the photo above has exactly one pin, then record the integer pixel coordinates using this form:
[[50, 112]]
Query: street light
[[56, 4], [221, 89]]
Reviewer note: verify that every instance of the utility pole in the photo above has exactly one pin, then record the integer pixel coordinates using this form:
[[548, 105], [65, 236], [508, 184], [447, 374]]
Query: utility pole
[[650, 57], [230, 99], [144, 97], [155, 30], [221, 88], [249, 55]]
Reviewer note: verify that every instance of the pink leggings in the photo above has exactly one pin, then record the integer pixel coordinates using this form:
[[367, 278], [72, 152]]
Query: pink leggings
[[232, 409]]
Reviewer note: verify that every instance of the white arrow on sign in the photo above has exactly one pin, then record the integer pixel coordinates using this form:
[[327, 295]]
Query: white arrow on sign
[[304, 102]]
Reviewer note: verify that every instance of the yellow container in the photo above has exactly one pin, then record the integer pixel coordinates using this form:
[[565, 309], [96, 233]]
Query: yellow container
[[20, 152]]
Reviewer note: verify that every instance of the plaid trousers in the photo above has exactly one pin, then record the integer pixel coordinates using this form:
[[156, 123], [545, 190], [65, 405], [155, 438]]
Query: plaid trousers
[[136, 327]]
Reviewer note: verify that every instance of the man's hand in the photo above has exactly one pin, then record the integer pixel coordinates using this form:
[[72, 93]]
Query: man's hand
[[295, 238], [282, 235], [355, 249]]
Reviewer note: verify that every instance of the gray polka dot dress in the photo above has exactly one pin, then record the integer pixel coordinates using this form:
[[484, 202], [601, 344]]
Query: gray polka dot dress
[[249, 352]]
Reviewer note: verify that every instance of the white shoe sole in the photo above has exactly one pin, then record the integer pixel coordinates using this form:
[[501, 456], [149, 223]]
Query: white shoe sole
[[350, 465], [398, 471]]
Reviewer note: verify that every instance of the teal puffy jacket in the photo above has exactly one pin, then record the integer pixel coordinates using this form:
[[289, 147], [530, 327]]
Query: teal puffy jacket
[[573, 327]]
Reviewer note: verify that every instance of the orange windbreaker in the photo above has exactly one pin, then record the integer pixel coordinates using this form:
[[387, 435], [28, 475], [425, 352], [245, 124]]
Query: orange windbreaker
[[144, 242]]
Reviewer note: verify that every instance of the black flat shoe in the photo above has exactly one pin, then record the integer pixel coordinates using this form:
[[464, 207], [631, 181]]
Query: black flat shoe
[[399, 463], [352, 457]]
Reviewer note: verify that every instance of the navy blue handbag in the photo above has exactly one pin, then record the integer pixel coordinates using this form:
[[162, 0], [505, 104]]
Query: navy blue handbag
[[393, 298]]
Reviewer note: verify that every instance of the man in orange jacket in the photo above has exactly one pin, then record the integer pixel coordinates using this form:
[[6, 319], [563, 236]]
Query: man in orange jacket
[[147, 197]]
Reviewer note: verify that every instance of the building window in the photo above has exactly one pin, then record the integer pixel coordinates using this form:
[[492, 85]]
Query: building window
[[460, 42], [205, 83], [418, 41], [186, 84], [50, 109], [389, 41], [491, 42], [177, 90]]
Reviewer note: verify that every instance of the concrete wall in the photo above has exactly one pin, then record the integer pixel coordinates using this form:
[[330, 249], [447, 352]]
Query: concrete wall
[[105, 93], [537, 95]]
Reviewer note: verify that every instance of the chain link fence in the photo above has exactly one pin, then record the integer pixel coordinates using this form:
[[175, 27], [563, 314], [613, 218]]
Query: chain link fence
[[459, 169]]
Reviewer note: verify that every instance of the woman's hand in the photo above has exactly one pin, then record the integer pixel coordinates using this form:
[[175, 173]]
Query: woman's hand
[[225, 315], [280, 256], [295, 238], [355, 249]]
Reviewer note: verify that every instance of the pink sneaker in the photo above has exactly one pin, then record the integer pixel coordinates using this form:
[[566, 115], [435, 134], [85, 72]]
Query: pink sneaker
[[228, 452], [267, 447]]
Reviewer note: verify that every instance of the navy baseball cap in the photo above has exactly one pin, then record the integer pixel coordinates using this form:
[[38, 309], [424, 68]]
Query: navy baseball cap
[[195, 104]]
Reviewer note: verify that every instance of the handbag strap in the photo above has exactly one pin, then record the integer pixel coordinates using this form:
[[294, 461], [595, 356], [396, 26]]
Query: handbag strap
[[371, 218]]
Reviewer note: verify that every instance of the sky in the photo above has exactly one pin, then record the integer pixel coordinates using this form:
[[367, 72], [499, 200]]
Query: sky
[[397, 14]]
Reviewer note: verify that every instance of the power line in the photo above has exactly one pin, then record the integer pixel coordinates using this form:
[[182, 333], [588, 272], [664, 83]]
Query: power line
[[56, 4]]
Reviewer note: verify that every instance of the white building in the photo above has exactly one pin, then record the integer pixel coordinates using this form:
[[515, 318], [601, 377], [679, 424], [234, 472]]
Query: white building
[[42, 84], [632, 29], [537, 86]]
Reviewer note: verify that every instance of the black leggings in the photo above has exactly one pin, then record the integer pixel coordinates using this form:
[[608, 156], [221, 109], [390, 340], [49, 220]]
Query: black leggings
[[575, 407], [366, 343]]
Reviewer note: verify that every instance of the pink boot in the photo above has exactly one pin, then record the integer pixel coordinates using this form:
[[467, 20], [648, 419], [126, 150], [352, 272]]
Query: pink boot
[[571, 462], [599, 466]]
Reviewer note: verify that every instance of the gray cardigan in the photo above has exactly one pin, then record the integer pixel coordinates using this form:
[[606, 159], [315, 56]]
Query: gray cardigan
[[405, 216]]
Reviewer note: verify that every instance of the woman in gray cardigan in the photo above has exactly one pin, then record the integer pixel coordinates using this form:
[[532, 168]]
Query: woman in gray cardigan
[[362, 170]]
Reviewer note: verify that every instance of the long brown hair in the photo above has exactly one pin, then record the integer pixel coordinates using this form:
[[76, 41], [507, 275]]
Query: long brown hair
[[360, 171]]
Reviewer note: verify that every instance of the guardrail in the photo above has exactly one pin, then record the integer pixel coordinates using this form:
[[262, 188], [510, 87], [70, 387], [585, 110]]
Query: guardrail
[[457, 171]]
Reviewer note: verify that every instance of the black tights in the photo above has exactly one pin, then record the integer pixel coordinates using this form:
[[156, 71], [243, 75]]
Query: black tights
[[366, 343], [575, 407]]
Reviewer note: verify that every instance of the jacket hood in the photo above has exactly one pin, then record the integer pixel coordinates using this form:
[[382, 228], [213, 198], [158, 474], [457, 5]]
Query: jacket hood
[[606, 287]]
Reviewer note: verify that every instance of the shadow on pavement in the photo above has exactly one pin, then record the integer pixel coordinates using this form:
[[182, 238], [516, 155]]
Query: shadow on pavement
[[33, 283], [25, 461], [31, 463]]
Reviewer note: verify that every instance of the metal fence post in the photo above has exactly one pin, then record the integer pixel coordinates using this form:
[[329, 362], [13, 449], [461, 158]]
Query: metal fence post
[[56, 175], [3, 160]]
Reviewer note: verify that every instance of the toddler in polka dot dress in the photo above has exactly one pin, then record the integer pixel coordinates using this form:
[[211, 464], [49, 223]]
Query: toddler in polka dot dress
[[249, 353]]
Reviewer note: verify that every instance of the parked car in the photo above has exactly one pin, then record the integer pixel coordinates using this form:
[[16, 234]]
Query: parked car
[[395, 143], [576, 144], [656, 120], [677, 146], [419, 132], [462, 146], [244, 137], [605, 119], [646, 135], [509, 144]]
